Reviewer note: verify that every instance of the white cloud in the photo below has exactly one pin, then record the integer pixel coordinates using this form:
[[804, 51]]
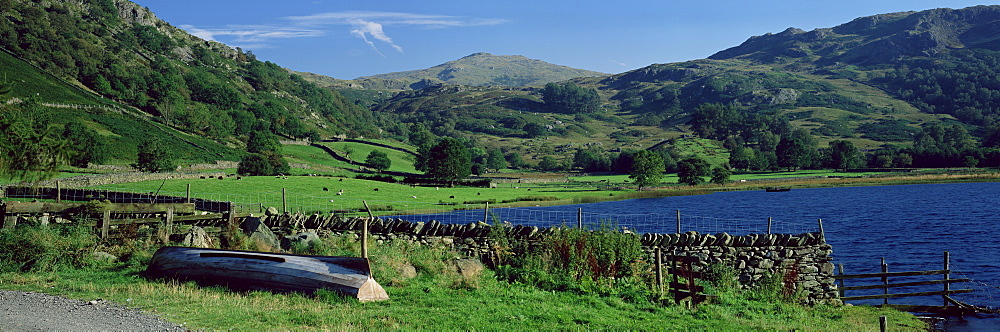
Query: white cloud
[[618, 63], [365, 25]]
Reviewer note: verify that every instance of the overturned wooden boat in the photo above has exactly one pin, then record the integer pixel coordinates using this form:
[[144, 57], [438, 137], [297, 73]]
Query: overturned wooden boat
[[252, 270], [777, 189]]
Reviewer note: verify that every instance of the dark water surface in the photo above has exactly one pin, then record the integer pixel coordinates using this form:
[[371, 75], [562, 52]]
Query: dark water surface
[[910, 226]]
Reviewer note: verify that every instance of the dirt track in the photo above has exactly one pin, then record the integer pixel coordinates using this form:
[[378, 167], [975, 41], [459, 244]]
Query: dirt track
[[28, 311]]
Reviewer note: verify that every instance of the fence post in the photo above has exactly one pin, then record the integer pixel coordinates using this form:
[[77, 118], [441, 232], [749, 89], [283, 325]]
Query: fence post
[[947, 275], [579, 218], [885, 281], [187, 198], [105, 224], [678, 221], [364, 231], [768, 225], [58, 193], [284, 204], [840, 288], [486, 213], [169, 222], [659, 271], [883, 323], [822, 234]]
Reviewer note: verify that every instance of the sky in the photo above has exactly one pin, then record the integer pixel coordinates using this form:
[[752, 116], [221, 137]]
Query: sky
[[349, 39]]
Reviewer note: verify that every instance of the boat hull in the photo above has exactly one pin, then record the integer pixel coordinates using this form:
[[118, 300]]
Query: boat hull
[[252, 270]]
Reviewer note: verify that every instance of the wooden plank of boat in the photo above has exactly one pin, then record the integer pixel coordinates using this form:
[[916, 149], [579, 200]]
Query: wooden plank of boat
[[775, 190], [249, 270]]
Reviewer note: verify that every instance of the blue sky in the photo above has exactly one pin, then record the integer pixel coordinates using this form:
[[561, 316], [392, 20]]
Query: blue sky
[[348, 39]]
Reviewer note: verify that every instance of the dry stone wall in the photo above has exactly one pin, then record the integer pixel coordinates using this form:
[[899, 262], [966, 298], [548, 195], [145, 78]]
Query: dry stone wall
[[804, 258]]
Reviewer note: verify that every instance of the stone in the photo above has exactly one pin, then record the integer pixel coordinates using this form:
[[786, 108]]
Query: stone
[[808, 269], [299, 239], [468, 267], [271, 211], [104, 257], [197, 237], [826, 268], [407, 271], [259, 233]]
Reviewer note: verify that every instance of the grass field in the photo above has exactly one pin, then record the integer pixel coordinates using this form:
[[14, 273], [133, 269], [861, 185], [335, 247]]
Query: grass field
[[438, 298]]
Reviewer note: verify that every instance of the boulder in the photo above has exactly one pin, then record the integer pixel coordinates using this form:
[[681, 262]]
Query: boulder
[[259, 233], [197, 237], [299, 239], [271, 211], [468, 267]]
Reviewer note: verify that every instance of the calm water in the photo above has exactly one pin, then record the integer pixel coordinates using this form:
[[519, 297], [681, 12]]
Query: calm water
[[910, 226]]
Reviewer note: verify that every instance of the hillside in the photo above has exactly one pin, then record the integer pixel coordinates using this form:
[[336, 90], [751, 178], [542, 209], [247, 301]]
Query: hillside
[[875, 81], [122, 52]]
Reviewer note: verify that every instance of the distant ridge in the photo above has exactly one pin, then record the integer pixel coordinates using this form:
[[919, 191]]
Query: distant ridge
[[479, 69]]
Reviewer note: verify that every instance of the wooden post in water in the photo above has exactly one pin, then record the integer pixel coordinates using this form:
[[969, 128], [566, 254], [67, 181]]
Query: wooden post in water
[[284, 202], [768, 225], [58, 193], [840, 286], [579, 218], [678, 221], [822, 234], [105, 224], [947, 275], [364, 231], [885, 281], [659, 271]]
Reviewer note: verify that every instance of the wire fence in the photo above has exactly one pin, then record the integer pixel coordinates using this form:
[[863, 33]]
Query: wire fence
[[653, 221]]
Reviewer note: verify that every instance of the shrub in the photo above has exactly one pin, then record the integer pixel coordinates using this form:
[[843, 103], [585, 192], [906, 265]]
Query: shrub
[[46, 248]]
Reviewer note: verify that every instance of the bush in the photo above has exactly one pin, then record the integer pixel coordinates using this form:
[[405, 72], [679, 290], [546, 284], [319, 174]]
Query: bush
[[46, 248]]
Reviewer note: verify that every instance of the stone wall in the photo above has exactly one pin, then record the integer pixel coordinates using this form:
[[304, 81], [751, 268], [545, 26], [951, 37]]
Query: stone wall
[[802, 257], [105, 179]]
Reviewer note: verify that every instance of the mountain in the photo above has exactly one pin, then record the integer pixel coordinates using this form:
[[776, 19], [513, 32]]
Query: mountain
[[876, 81], [115, 52], [478, 69]]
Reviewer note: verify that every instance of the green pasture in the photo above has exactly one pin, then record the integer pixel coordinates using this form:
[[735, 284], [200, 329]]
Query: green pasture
[[401, 161]]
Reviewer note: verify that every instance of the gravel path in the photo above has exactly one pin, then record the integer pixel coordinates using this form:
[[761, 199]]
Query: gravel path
[[20, 311]]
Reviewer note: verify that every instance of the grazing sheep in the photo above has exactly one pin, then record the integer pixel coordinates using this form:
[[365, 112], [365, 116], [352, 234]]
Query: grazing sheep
[[203, 177], [326, 189], [340, 193], [341, 180], [452, 197], [477, 194], [220, 177], [376, 189], [414, 196], [239, 178]]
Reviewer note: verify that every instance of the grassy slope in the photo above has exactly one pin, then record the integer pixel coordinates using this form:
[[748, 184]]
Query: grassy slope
[[28, 81]]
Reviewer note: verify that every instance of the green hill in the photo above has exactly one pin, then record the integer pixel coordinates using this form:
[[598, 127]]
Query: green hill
[[123, 52], [484, 69]]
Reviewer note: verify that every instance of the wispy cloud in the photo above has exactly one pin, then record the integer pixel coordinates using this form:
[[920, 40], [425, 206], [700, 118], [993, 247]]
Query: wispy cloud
[[618, 63], [365, 25]]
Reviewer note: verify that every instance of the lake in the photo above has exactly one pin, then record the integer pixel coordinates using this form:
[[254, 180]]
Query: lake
[[909, 225]]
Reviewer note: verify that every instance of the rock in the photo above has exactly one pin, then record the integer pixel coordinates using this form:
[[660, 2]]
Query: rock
[[259, 233], [271, 211], [300, 239], [197, 237], [469, 267], [407, 271], [104, 257]]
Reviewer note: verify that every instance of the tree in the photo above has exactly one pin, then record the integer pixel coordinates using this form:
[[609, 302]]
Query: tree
[[843, 155], [570, 98], [30, 148], [378, 160], [153, 157], [549, 163], [647, 169], [449, 161], [255, 164], [591, 160], [692, 170], [795, 150], [721, 174], [263, 140], [86, 144], [495, 160]]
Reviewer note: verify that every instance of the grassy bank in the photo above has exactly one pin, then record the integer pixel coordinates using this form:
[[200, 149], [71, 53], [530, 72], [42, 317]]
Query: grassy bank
[[436, 298]]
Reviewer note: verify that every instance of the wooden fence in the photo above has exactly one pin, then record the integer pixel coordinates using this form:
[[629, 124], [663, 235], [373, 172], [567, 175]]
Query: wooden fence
[[949, 305]]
